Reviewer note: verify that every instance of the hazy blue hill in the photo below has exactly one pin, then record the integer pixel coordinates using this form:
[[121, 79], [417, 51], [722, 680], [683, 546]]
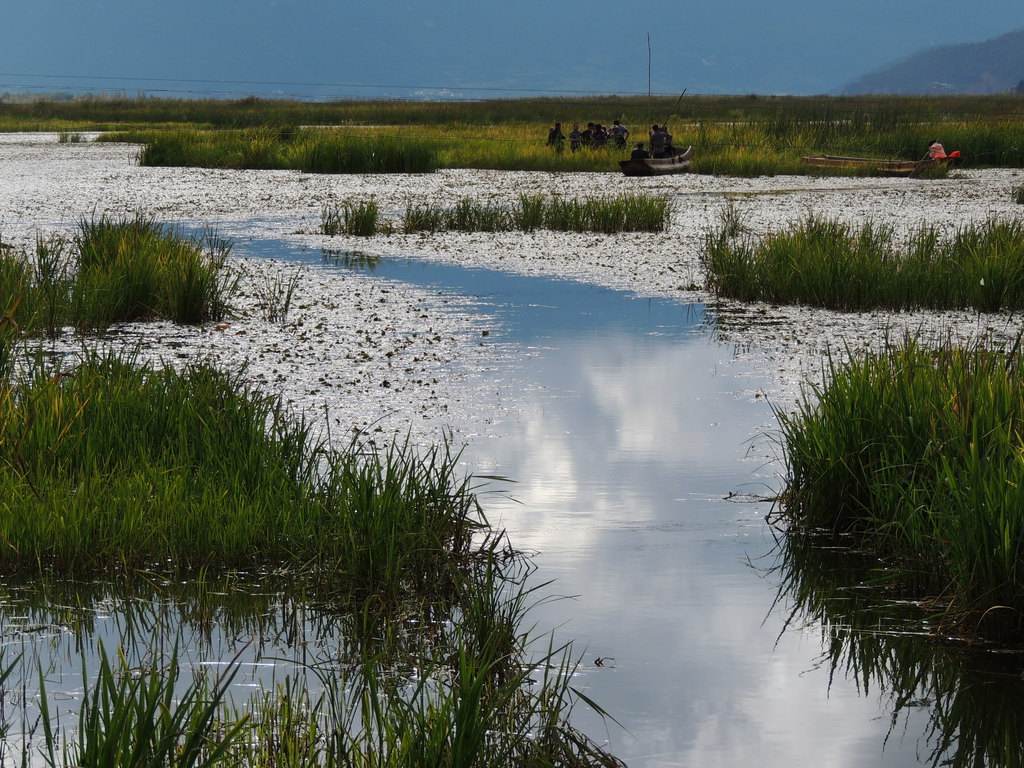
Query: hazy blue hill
[[991, 66]]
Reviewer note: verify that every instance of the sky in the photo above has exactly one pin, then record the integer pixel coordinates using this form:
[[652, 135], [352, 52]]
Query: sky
[[730, 46]]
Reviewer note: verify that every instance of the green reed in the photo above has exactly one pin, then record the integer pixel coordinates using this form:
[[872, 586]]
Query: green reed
[[917, 453], [353, 217], [116, 270], [828, 263], [114, 464], [620, 213], [309, 150]]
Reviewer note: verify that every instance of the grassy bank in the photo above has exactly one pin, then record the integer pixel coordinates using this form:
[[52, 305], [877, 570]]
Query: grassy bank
[[115, 464], [827, 263], [620, 213], [916, 455], [115, 270]]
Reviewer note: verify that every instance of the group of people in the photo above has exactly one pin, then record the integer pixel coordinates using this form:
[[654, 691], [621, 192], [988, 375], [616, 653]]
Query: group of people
[[595, 136]]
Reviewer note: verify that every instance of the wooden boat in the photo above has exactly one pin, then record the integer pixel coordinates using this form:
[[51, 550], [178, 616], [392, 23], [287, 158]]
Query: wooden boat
[[658, 166], [873, 165]]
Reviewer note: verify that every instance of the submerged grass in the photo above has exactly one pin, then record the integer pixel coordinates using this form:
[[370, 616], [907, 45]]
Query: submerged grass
[[115, 270], [827, 263], [482, 693], [621, 213], [917, 454], [113, 463]]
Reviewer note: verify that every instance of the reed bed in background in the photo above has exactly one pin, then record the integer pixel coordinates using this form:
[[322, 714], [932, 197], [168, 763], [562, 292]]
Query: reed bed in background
[[741, 148], [312, 151], [620, 213], [115, 270], [828, 263], [914, 454]]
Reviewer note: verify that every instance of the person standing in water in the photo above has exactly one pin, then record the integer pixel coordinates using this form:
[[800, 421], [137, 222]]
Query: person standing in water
[[556, 138]]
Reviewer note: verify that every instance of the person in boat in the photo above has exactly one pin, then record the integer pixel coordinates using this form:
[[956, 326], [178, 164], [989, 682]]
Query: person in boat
[[936, 151], [620, 134], [670, 150], [556, 138], [639, 153], [575, 138], [658, 141]]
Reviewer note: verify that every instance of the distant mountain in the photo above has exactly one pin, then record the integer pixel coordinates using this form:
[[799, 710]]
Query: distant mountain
[[992, 66]]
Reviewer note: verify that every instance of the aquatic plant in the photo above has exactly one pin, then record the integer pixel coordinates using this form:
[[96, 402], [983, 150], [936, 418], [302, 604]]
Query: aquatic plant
[[484, 692], [619, 213], [309, 150], [828, 263], [353, 217], [1018, 195], [274, 295], [117, 270], [915, 454], [66, 137], [111, 463]]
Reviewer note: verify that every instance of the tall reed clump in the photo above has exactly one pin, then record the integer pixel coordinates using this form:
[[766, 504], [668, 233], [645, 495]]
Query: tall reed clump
[[916, 453], [1018, 195], [115, 463], [116, 270], [302, 149], [353, 217], [621, 213], [828, 263]]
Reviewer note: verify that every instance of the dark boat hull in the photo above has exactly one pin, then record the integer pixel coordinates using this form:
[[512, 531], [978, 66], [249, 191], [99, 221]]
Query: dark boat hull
[[662, 166]]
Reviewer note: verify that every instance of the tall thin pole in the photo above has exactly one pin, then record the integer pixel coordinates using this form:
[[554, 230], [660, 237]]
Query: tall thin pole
[[648, 65]]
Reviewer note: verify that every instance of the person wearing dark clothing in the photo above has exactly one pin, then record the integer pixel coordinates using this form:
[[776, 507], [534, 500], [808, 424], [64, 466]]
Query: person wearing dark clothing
[[658, 141], [588, 135], [575, 138], [556, 138], [639, 153], [620, 134], [600, 136]]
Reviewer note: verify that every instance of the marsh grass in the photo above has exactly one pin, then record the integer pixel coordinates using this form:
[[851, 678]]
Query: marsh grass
[[309, 150], [828, 263], [67, 137], [116, 270], [915, 452], [274, 295], [1018, 195], [621, 213], [115, 464], [353, 217]]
